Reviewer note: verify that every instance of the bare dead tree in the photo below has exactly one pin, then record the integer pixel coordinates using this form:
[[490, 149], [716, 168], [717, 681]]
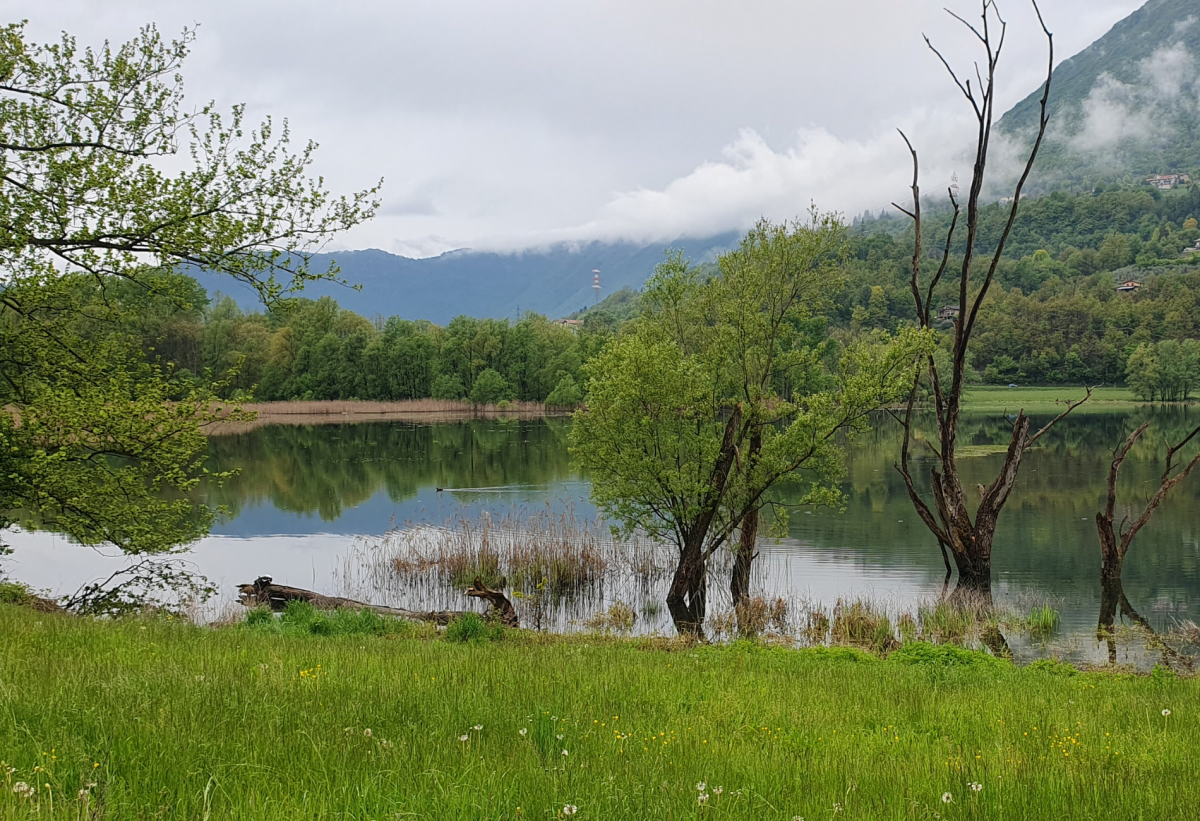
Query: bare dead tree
[[948, 517], [1115, 541]]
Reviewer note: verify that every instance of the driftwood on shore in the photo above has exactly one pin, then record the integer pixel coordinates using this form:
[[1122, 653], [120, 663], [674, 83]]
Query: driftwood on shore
[[265, 591]]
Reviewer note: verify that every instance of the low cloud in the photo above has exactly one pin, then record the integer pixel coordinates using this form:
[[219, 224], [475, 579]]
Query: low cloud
[[752, 179], [1167, 86]]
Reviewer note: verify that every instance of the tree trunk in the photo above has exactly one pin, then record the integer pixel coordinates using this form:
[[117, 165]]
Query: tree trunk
[[743, 559], [686, 598], [1111, 595], [276, 596], [744, 555], [743, 562], [1111, 556]]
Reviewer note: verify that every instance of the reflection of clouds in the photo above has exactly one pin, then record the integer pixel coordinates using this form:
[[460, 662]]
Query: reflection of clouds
[[1046, 546]]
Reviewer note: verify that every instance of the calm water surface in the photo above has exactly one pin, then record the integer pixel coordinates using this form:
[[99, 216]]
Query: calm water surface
[[305, 496]]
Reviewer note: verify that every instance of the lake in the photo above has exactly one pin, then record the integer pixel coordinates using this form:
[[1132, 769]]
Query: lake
[[310, 503]]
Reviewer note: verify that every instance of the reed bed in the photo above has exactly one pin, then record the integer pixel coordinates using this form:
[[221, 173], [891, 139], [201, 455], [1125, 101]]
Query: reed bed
[[355, 407], [560, 570], [567, 575], [322, 412]]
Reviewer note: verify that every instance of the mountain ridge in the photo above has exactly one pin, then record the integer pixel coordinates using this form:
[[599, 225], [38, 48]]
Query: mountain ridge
[[555, 281]]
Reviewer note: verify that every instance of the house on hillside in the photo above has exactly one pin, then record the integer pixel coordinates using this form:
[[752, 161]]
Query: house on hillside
[[1129, 286], [569, 323], [947, 313], [1195, 249], [1165, 182]]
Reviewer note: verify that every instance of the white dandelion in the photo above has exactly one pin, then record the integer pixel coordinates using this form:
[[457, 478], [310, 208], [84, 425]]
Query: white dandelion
[[464, 737], [564, 752], [947, 798], [523, 731], [702, 798], [569, 809], [367, 732], [975, 786], [1166, 713], [700, 787], [477, 727]]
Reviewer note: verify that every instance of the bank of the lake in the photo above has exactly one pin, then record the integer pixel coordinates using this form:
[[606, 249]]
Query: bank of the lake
[[169, 720], [1047, 399], [339, 412]]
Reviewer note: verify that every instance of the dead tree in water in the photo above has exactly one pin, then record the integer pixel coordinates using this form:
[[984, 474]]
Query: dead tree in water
[[1115, 541], [276, 596], [948, 516]]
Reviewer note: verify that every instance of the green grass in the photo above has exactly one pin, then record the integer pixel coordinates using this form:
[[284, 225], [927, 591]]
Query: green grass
[[173, 721], [1042, 400]]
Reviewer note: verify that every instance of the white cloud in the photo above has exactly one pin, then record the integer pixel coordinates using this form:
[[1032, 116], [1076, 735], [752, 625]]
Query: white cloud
[[510, 124], [752, 180], [1113, 112]]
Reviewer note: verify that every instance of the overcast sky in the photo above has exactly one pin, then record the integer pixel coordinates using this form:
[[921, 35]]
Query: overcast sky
[[507, 125]]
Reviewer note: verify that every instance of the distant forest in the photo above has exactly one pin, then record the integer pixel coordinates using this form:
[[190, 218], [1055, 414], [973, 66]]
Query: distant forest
[[1054, 316]]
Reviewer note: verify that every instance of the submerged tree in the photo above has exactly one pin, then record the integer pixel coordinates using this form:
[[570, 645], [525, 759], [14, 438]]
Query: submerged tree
[[94, 441], [721, 392], [949, 518], [1116, 539]]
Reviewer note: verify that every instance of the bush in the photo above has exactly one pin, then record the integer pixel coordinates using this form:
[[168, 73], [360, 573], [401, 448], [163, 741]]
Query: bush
[[942, 655], [1054, 667], [823, 654], [14, 593], [860, 625], [489, 388], [471, 627], [301, 617], [260, 616], [1042, 621], [618, 618], [447, 386], [566, 394]]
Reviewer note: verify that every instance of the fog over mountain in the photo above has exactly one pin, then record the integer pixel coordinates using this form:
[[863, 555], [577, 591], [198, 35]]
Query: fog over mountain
[[1129, 104], [503, 127]]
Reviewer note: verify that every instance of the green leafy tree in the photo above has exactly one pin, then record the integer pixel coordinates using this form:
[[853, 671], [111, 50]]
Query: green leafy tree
[[566, 394], [92, 434], [686, 430], [448, 386], [1114, 252], [1141, 372], [490, 387]]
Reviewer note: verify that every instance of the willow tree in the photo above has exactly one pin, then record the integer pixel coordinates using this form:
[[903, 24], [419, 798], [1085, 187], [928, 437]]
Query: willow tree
[[969, 538], [719, 394], [108, 183]]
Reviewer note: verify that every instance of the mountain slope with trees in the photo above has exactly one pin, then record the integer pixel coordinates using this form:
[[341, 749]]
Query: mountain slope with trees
[[1129, 104]]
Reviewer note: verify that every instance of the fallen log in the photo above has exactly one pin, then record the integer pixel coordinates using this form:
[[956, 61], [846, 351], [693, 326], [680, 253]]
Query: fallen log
[[276, 596]]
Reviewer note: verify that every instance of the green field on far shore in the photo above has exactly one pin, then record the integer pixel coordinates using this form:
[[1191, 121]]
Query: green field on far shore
[[1040, 400], [158, 719]]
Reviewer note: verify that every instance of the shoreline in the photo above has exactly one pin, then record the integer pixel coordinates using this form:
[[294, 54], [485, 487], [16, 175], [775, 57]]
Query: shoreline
[[335, 412]]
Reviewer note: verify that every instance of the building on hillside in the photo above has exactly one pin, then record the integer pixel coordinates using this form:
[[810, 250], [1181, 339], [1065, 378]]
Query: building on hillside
[[1195, 249], [569, 323], [947, 313], [1165, 182], [1129, 286]]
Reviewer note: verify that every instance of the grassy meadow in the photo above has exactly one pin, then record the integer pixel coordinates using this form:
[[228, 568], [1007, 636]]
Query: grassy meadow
[[162, 719], [1045, 400]]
